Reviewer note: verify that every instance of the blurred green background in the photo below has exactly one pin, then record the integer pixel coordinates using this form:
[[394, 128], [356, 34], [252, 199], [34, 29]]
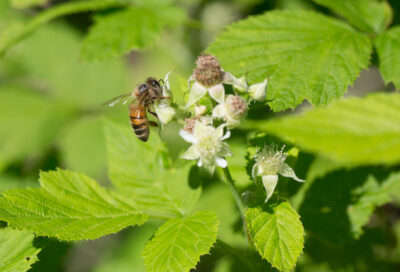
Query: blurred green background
[[50, 116]]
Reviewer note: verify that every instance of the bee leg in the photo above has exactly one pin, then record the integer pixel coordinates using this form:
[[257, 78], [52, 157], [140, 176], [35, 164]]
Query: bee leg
[[153, 113], [153, 124]]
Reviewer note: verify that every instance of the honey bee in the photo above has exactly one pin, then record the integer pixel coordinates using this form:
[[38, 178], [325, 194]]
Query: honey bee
[[144, 96]]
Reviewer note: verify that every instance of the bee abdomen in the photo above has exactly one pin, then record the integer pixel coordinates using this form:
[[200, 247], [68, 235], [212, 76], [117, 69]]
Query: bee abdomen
[[140, 126]]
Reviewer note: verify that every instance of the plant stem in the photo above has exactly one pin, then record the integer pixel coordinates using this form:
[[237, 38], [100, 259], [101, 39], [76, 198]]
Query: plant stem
[[236, 196]]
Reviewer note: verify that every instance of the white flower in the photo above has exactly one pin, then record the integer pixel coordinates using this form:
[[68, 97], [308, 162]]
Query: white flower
[[162, 107], [217, 92], [258, 91], [207, 146], [269, 163], [232, 110]]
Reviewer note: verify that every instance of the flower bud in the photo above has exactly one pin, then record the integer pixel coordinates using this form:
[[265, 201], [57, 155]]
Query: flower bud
[[236, 106], [200, 110], [258, 91], [208, 71], [232, 110], [240, 84]]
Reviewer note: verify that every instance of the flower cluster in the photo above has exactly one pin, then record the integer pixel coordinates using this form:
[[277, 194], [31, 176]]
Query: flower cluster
[[269, 162], [228, 110]]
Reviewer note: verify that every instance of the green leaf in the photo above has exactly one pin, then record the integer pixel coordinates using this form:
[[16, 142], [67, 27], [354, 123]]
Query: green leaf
[[178, 243], [21, 4], [353, 131], [126, 254], [55, 67], [118, 33], [305, 55], [369, 196], [69, 206], [17, 252], [12, 36], [367, 15], [139, 170], [29, 123], [388, 48], [277, 233], [83, 147]]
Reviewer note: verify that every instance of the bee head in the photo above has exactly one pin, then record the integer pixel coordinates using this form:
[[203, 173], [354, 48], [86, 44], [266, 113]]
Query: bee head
[[153, 82]]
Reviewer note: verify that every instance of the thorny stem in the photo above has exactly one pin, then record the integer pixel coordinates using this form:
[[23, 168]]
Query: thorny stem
[[236, 196]]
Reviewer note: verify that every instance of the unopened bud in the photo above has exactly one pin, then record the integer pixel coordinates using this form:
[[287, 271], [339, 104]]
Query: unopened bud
[[208, 71]]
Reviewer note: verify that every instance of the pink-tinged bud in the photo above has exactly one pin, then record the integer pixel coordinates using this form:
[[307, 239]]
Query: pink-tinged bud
[[236, 106], [208, 71]]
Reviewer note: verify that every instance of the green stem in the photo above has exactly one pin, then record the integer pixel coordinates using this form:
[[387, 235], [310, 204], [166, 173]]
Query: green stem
[[52, 13], [236, 196], [235, 253]]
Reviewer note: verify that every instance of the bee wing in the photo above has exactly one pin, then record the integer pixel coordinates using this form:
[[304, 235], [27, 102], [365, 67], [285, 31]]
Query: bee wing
[[123, 98]]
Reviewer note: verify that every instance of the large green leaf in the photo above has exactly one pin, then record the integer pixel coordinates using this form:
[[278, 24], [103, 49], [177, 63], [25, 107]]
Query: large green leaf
[[367, 15], [354, 131], [388, 48], [116, 34], [139, 170], [305, 55], [29, 123], [178, 243], [277, 233], [69, 206], [17, 252]]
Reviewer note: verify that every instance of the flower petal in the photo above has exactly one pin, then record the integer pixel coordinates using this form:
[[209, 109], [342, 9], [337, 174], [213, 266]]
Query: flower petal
[[219, 111], [188, 137], [200, 129], [164, 112], [191, 154], [196, 93], [226, 136], [221, 162], [225, 151], [269, 182], [219, 131], [288, 172], [217, 92]]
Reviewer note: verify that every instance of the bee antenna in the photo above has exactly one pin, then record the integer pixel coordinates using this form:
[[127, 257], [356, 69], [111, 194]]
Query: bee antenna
[[161, 81]]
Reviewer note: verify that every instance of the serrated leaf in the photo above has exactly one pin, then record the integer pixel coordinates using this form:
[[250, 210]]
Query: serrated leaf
[[353, 131], [21, 4], [277, 233], [17, 252], [369, 196], [305, 55], [388, 48], [178, 243], [140, 171], [118, 33], [367, 15], [69, 206]]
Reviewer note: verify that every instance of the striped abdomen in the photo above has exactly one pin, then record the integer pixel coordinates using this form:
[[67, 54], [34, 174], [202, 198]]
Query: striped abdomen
[[139, 121]]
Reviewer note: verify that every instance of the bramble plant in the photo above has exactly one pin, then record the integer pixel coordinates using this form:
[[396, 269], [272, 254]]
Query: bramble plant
[[212, 189]]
